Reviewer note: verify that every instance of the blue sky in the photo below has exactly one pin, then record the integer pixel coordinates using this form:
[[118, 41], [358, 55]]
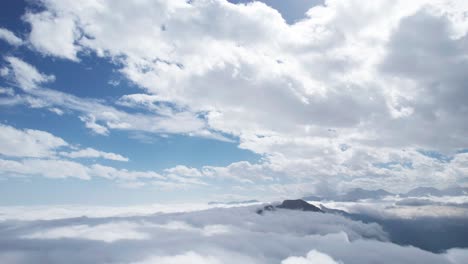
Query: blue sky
[[90, 78], [121, 103]]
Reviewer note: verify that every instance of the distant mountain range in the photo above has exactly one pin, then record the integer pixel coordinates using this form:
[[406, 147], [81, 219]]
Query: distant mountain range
[[234, 202], [352, 196], [429, 191], [362, 194]]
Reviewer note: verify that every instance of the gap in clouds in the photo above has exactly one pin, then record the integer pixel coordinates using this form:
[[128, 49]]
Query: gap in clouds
[[291, 10]]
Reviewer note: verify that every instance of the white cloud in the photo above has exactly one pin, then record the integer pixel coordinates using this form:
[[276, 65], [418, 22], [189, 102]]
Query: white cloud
[[326, 96], [54, 212], [50, 168], [56, 110], [189, 257], [208, 230], [57, 168], [25, 75], [10, 37], [99, 116], [313, 257], [92, 153], [105, 232], [7, 91], [184, 171], [90, 122], [274, 237], [28, 142], [53, 35], [123, 174], [40, 144]]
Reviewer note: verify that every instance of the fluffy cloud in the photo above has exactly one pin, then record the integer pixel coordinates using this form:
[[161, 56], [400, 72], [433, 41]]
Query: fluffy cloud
[[98, 116], [36, 152], [332, 94], [344, 98], [41, 144], [53, 35], [28, 142]]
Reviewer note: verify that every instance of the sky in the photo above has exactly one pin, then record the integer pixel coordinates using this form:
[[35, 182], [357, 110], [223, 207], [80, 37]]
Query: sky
[[118, 102]]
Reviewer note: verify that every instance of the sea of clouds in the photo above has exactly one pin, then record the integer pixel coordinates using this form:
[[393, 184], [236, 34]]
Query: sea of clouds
[[210, 235]]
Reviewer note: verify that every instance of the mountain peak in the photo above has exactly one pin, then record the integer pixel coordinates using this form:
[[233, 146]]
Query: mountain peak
[[298, 205]]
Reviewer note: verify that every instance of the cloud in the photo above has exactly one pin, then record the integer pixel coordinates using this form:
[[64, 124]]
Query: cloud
[[31, 152], [53, 35], [313, 257], [189, 257], [104, 232], [50, 168], [457, 255], [92, 153], [25, 75], [57, 168], [99, 116], [35, 152], [275, 237], [28, 142], [41, 144], [10, 37], [339, 95], [7, 91], [90, 122], [184, 171]]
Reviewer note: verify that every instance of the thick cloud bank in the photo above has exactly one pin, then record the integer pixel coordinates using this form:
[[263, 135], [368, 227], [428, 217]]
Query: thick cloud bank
[[219, 235]]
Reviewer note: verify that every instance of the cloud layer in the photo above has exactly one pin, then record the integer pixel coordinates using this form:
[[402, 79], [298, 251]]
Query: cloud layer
[[229, 235]]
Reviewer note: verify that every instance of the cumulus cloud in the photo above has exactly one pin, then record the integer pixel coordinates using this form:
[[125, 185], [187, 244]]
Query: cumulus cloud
[[41, 144], [329, 112], [31, 152], [53, 35], [28, 142], [342, 94]]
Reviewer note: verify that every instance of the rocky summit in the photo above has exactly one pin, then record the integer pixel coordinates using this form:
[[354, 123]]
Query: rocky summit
[[298, 204]]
